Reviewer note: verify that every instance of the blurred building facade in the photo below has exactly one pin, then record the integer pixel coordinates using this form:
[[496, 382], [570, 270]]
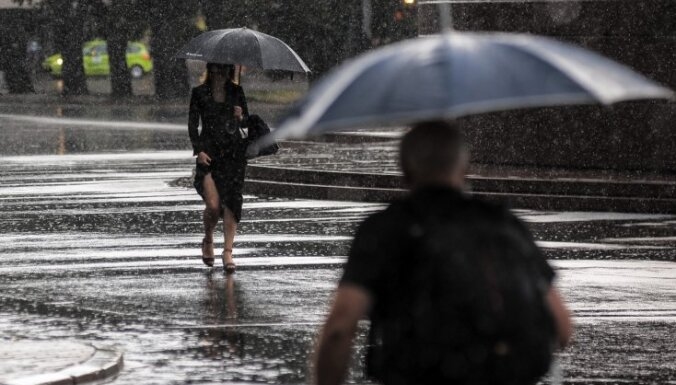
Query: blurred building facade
[[629, 136]]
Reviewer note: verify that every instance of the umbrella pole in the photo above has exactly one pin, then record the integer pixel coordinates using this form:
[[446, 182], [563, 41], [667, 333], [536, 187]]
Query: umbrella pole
[[445, 17], [239, 75]]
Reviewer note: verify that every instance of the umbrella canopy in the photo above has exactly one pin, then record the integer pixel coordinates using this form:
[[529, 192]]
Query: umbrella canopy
[[245, 47], [457, 74]]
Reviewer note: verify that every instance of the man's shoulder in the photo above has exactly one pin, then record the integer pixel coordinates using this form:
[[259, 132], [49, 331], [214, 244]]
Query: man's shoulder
[[492, 210], [383, 222], [452, 204], [467, 208], [394, 210]]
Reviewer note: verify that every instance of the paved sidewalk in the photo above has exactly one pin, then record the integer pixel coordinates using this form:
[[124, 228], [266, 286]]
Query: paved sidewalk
[[30, 362], [111, 221]]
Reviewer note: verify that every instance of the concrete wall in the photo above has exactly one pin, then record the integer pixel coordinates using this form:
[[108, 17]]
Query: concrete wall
[[630, 136]]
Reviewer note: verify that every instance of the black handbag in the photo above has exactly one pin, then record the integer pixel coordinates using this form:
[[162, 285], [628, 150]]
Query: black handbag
[[258, 129]]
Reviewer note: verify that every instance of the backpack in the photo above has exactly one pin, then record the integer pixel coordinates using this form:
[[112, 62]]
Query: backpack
[[471, 308]]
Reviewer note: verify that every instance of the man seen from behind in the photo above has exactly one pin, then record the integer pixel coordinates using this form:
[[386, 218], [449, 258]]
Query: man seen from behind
[[456, 289]]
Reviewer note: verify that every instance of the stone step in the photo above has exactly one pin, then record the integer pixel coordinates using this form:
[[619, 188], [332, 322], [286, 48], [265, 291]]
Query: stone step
[[640, 189], [515, 200]]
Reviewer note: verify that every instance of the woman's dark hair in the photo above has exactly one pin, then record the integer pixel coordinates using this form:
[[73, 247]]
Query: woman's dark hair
[[229, 68]]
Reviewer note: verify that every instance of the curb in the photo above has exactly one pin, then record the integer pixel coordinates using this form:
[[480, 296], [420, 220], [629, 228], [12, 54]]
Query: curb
[[647, 189], [514, 193], [103, 363], [524, 193], [540, 202]]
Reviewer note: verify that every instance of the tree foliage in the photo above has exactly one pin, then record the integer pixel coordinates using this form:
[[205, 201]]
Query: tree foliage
[[16, 27], [124, 20], [171, 27], [70, 23]]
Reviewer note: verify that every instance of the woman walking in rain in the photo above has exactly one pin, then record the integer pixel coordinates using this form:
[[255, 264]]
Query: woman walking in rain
[[220, 148]]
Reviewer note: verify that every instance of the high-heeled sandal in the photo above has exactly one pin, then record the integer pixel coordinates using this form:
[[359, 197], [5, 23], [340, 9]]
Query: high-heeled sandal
[[229, 267], [209, 261]]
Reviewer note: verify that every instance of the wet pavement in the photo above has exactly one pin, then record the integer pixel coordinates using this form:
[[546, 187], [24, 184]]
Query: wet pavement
[[72, 128], [267, 97], [97, 245], [53, 362]]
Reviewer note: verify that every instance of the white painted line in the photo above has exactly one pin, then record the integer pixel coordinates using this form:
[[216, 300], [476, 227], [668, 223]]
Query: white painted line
[[549, 217], [248, 325], [592, 246], [53, 121], [103, 239], [253, 262], [644, 239], [127, 156]]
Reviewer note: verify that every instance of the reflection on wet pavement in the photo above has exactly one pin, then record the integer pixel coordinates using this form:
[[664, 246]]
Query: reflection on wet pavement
[[101, 247], [41, 136]]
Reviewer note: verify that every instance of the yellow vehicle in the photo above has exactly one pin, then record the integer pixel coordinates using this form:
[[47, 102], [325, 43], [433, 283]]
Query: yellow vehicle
[[96, 62]]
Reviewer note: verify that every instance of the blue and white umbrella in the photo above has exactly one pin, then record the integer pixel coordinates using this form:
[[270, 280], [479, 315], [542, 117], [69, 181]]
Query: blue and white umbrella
[[456, 74]]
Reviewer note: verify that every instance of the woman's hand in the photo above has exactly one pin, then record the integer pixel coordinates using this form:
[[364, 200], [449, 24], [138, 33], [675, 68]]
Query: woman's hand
[[238, 113], [203, 158]]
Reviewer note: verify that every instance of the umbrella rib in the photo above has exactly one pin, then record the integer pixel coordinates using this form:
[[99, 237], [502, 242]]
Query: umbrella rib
[[547, 59], [344, 75], [255, 35], [300, 61], [459, 110], [555, 74], [295, 55]]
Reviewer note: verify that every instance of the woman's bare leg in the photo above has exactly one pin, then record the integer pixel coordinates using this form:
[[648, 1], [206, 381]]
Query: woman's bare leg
[[211, 213], [229, 231]]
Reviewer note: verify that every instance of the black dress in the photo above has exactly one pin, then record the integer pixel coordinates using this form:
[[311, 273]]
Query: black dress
[[222, 140]]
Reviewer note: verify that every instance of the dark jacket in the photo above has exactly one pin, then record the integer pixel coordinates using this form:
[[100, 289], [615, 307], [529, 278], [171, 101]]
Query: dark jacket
[[219, 127], [451, 277]]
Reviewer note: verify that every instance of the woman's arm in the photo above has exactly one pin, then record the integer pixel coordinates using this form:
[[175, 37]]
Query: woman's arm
[[193, 123], [241, 101]]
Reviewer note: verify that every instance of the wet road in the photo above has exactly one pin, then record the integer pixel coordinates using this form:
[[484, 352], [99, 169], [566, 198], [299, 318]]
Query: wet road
[[100, 247]]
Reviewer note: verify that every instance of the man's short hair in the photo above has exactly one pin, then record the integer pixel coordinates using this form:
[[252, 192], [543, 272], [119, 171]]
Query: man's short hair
[[430, 151]]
